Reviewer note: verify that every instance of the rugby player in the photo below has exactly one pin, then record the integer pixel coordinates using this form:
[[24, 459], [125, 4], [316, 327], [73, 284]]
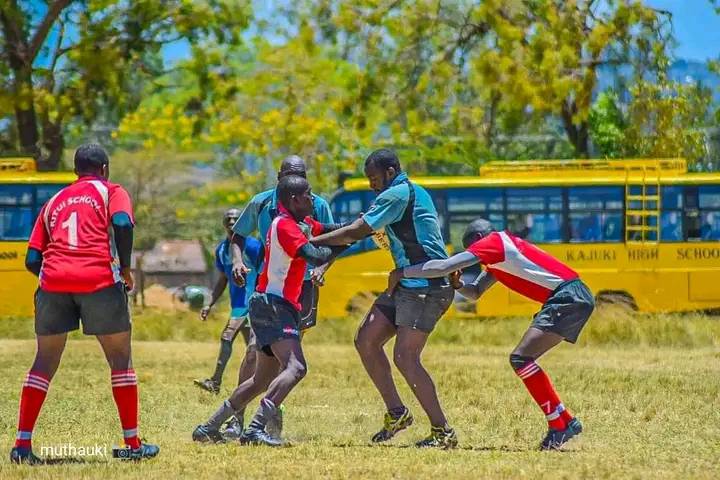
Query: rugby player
[[406, 214], [238, 322], [257, 216], [80, 248], [567, 303], [275, 315]]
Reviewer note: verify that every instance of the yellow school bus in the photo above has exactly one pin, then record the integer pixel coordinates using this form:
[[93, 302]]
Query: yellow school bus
[[642, 232], [23, 191]]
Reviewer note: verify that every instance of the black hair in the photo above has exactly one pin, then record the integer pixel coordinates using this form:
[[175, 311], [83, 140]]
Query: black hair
[[90, 158], [383, 158], [478, 228], [290, 186], [230, 213]]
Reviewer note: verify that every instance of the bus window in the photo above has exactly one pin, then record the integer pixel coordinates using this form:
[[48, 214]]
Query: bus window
[[670, 226], [536, 227], [347, 206], [475, 200], [534, 199], [595, 214], [15, 223], [46, 192], [458, 224], [11, 195], [709, 203]]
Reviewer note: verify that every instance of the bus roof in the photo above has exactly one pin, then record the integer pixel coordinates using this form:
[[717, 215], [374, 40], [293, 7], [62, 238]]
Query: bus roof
[[536, 173], [23, 170]]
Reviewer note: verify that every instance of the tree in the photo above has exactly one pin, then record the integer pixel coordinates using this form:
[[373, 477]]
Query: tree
[[72, 61]]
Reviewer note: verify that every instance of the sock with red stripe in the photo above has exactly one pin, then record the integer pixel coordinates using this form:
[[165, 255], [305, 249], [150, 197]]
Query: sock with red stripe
[[34, 391], [541, 388], [125, 393]]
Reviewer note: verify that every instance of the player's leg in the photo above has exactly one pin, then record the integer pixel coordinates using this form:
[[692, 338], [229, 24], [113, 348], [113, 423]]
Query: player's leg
[[227, 338], [374, 332], [106, 315], [55, 316], [265, 371], [234, 426], [561, 318], [417, 313]]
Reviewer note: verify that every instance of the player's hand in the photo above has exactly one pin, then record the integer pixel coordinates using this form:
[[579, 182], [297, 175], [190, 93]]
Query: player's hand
[[318, 275], [205, 312], [128, 279], [456, 279], [239, 270], [393, 280]]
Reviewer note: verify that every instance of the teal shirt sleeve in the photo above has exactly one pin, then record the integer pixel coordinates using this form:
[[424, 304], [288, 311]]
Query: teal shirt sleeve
[[322, 209], [387, 208], [247, 223]]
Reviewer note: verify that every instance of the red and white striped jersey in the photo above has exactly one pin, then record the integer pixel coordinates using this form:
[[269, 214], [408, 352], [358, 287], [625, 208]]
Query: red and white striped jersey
[[284, 270], [74, 233], [521, 266]]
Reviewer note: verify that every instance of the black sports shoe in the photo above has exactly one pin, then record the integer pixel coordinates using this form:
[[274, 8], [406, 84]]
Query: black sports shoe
[[209, 385], [203, 434], [393, 425], [256, 436], [440, 437], [557, 438], [233, 428], [25, 456]]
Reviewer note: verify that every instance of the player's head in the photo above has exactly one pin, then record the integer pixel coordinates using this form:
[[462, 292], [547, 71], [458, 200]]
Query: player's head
[[292, 165], [476, 230], [381, 167], [229, 218], [294, 194], [91, 159]]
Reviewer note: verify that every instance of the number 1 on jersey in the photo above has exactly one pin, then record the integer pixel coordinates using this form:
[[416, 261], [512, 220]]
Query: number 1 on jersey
[[71, 225]]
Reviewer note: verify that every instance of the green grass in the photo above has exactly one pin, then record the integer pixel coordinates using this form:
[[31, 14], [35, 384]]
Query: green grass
[[646, 389]]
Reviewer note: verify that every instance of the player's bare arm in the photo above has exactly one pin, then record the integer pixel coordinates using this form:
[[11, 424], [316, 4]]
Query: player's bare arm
[[432, 268], [345, 235], [237, 244], [217, 292]]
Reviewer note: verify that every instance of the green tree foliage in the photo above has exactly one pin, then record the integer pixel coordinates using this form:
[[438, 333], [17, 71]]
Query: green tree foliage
[[66, 61]]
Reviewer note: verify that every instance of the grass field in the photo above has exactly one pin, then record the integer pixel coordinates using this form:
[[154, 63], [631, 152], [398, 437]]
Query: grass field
[[647, 390]]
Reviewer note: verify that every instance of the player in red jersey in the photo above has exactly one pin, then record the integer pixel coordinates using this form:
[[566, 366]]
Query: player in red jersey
[[529, 271], [80, 248], [275, 314]]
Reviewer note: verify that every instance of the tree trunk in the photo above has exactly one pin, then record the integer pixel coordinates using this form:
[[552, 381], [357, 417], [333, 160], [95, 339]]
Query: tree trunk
[[578, 134], [54, 144]]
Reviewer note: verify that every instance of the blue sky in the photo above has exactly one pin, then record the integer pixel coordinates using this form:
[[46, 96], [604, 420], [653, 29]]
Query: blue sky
[[696, 27]]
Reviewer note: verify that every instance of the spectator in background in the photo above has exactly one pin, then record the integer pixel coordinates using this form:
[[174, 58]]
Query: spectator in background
[[709, 229], [670, 228]]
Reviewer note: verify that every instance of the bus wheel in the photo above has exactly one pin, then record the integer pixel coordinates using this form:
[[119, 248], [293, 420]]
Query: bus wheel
[[361, 303], [615, 301]]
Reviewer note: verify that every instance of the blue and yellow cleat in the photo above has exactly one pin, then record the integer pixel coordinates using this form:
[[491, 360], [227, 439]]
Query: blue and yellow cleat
[[555, 439], [25, 456], [392, 425]]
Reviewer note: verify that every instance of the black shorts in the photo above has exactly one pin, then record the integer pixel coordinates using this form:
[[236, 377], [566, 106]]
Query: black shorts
[[309, 297], [272, 319], [419, 308], [566, 311], [103, 312]]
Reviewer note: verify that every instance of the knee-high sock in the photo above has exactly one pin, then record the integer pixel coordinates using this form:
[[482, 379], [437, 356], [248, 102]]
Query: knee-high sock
[[125, 393], [541, 388], [222, 360], [34, 391]]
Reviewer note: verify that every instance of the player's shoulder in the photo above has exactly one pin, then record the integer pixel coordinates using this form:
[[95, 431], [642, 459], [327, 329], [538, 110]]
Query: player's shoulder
[[220, 247], [253, 245], [401, 191], [263, 196]]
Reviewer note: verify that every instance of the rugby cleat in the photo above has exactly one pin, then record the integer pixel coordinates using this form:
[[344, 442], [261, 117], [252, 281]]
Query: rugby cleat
[[25, 456], [203, 434], [555, 439], [257, 436], [209, 385], [233, 428], [392, 425], [145, 450], [440, 437], [275, 423]]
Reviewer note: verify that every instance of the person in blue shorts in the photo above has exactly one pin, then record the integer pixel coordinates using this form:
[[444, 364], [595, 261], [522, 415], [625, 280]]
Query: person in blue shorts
[[253, 254]]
